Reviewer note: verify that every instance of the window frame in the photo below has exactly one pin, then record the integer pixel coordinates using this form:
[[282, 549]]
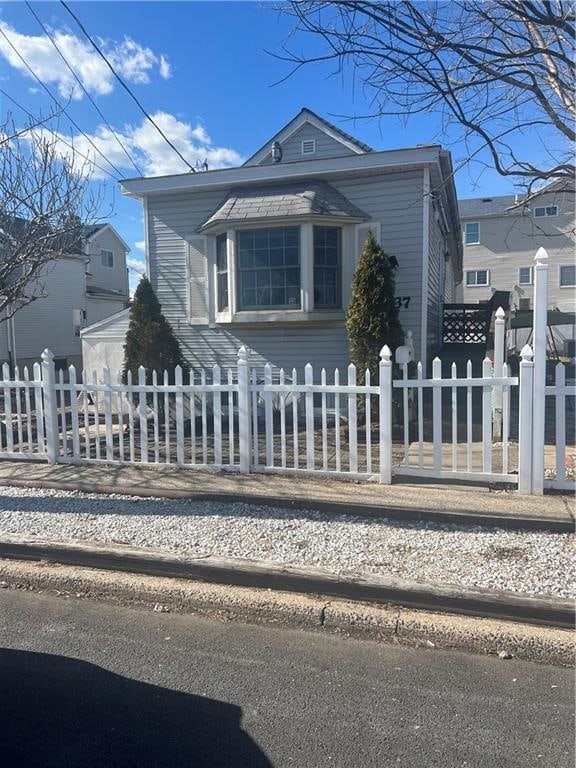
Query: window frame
[[530, 281], [108, 253], [476, 284], [222, 282], [567, 285], [545, 208], [466, 225], [240, 271]]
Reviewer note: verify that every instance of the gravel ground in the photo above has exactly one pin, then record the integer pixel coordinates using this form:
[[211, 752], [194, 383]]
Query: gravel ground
[[492, 558]]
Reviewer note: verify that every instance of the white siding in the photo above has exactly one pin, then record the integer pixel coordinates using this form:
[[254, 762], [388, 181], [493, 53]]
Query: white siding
[[438, 281], [112, 278], [48, 321], [97, 309]]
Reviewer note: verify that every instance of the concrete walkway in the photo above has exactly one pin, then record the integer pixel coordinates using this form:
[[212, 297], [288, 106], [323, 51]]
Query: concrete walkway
[[478, 505]]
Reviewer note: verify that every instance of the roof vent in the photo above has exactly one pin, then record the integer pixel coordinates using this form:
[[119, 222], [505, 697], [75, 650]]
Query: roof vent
[[486, 199], [309, 147]]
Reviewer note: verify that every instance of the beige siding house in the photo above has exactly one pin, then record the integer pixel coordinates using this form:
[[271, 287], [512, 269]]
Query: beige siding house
[[263, 254], [501, 236], [73, 291]]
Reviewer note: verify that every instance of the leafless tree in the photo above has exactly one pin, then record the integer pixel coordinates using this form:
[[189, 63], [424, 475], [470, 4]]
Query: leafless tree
[[503, 70], [45, 200]]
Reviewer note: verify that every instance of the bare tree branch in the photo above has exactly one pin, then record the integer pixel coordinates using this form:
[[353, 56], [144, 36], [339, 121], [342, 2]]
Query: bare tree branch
[[497, 68], [45, 201]]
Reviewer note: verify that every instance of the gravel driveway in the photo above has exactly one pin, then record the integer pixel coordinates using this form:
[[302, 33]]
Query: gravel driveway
[[519, 561]]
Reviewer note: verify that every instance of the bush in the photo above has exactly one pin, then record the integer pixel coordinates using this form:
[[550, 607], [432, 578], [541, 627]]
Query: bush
[[372, 318], [150, 340]]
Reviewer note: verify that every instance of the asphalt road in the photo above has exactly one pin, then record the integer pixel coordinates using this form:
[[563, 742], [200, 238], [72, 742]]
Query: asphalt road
[[86, 684]]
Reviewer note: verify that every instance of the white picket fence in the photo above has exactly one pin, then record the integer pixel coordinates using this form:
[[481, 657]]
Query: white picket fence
[[252, 419]]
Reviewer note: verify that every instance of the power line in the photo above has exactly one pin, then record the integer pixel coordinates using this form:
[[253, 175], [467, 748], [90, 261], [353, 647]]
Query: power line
[[81, 84], [6, 139], [127, 89], [74, 123], [56, 135]]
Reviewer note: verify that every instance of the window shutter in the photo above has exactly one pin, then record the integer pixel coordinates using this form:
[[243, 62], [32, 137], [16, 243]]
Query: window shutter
[[197, 281], [362, 234]]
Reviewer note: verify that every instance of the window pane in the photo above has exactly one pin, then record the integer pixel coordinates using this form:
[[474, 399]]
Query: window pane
[[539, 212], [472, 233], [567, 276], [268, 268], [525, 275], [327, 267], [551, 210]]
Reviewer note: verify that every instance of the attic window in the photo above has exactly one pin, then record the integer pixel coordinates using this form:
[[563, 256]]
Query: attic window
[[309, 147]]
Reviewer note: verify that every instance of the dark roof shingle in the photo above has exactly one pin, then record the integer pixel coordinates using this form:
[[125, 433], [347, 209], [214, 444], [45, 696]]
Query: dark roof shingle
[[312, 198]]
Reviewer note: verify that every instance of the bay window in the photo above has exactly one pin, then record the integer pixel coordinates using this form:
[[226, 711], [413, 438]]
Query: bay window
[[268, 268]]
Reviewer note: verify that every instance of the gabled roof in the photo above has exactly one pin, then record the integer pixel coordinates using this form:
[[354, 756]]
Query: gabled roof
[[90, 232], [119, 320], [309, 198], [307, 116]]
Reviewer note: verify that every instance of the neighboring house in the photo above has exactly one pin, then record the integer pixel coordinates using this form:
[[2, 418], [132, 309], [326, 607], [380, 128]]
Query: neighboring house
[[501, 236], [263, 255], [72, 291]]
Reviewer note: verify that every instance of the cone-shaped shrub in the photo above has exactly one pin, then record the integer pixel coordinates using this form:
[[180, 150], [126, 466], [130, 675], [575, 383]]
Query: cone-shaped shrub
[[372, 318], [150, 340]]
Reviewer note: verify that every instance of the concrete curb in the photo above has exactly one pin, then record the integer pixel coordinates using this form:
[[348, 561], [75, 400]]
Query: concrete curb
[[312, 613], [508, 522], [551, 612]]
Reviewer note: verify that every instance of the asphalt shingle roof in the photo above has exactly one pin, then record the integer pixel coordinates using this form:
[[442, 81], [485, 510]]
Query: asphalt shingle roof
[[312, 198], [477, 207]]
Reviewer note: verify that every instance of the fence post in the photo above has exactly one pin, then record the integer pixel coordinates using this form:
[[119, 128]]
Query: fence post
[[499, 349], [525, 421], [50, 407], [385, 385], [539, 385], [437, 415], [243, 410]]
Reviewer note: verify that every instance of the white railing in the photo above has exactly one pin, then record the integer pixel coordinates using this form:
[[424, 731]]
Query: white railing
[[192, 423], [22, 421], [329, 427], [443, 412], [561, 396]]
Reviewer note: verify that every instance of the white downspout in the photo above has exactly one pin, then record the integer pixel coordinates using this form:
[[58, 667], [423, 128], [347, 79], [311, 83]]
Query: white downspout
[[425, 265]]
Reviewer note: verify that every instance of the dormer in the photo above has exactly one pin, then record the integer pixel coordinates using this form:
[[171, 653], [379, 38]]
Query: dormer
[[307, 137]]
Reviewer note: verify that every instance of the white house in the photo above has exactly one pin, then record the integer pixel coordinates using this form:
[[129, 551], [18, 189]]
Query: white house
[[75, 290], [263, 255]]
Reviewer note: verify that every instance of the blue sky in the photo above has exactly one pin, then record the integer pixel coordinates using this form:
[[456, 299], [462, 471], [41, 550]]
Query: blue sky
[[202, 69]]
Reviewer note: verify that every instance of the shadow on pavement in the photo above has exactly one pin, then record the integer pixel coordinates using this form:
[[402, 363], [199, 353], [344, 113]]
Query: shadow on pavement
[[59, 712]]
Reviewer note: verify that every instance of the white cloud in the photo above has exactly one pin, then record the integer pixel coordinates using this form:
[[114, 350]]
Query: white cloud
[[133, 61], [140, 245], [165, 67], [152, 154], [136, 265]]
